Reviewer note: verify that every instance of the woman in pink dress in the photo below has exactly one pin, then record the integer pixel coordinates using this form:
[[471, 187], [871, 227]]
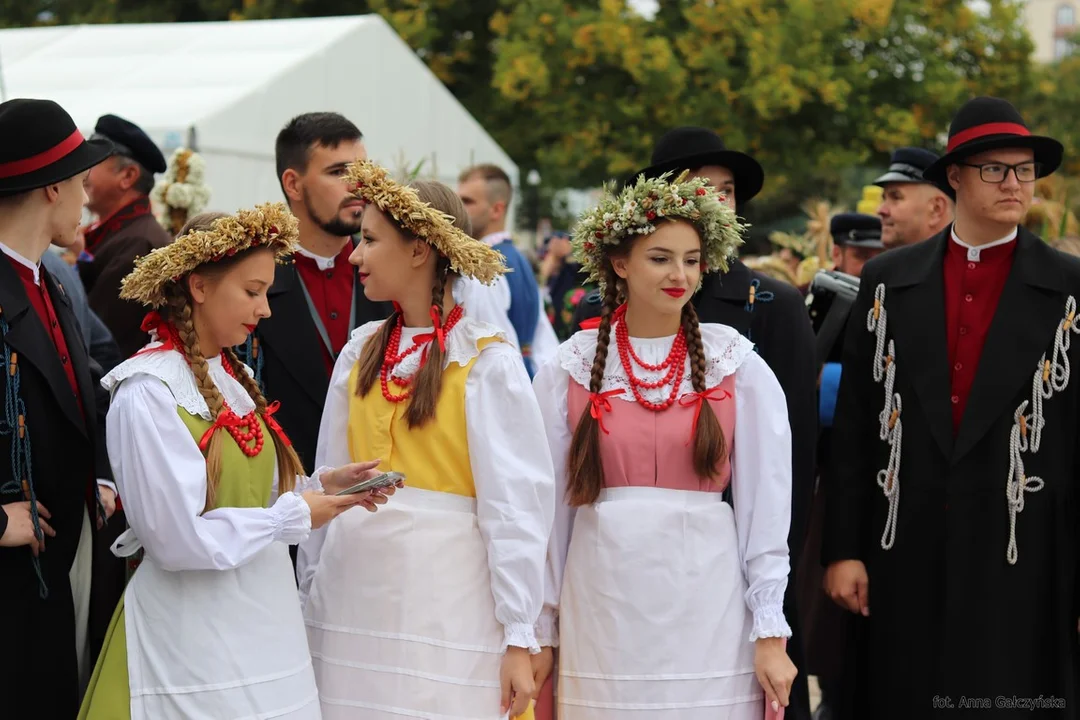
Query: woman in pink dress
[[666, 600]]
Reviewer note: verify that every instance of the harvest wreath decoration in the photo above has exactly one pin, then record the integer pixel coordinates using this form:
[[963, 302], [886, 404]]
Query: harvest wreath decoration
[[181, 192]]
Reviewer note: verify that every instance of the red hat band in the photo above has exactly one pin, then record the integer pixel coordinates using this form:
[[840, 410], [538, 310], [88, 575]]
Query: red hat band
[[42, 159], [981, 131]]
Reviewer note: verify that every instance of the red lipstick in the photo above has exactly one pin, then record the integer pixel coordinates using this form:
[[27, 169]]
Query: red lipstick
[[675, 292], [250, 328]]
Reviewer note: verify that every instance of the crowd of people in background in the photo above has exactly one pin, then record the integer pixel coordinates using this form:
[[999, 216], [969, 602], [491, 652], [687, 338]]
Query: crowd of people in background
[[635, 474]]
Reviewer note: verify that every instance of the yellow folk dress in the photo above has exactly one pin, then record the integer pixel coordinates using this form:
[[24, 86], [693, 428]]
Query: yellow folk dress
[[410, 610]]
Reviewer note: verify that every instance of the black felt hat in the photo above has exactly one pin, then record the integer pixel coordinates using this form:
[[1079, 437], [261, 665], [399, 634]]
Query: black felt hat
[[856, 230], [130, 140], [41, 146], [689, 148], [989, 123], [908, 165]]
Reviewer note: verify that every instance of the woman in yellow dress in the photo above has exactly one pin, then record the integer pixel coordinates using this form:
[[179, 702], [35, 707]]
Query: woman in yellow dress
[[210, 624], [427, 609]]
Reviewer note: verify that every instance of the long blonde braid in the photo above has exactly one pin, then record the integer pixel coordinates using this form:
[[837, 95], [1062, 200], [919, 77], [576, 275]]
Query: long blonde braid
[[288, 462], [179, 311]]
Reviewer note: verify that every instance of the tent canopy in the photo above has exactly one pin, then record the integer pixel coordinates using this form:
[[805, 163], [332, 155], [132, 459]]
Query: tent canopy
[[229, 87]]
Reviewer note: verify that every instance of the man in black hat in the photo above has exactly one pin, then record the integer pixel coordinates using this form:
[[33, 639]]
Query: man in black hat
[[119, 192], [51, 434], [912, 208], [773, 315], [951, 520]]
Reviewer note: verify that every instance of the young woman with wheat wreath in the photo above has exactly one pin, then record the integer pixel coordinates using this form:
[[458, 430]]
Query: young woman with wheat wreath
[[668, 600], [427, 609], [210, 624]]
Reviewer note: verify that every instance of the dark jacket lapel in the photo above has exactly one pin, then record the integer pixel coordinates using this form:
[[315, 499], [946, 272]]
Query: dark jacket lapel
[[291, 334], [28, 337], [915, 313], [1032, 304], [80, 360]]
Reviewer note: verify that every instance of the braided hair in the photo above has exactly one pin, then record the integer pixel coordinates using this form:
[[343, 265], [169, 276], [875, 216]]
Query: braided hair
[[178, 311], [428, 381], [585, 469]]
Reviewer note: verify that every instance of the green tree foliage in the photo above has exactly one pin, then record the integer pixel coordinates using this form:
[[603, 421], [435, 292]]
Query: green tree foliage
[[581, 90], [811, 87], [1052, 106]]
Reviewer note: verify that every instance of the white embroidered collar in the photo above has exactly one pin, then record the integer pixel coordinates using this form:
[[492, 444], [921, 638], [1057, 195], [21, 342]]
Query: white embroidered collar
[[725, 351], [462, 343], [172, 369]]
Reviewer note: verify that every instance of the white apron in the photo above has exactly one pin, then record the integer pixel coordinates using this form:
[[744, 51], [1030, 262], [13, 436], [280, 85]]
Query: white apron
[[653, 621], [401, 619], [221, 644]]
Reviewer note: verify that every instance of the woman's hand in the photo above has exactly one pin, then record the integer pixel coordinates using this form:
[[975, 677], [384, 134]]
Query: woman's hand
[[517, 681], [325, 508], [346, 476], [542, 664], [775, 671]]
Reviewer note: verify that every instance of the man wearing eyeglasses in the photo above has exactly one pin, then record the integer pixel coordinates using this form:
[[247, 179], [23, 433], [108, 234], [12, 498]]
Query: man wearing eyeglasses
[[951, 523]]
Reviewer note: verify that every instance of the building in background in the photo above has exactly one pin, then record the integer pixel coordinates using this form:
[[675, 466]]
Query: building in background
[[225, 89], [1052, 26]]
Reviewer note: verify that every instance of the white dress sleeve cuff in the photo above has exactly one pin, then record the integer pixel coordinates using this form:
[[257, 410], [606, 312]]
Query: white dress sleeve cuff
[[767, 605], [303, 484], [110, 485], [521, 635], [547, 629], [291, 519]]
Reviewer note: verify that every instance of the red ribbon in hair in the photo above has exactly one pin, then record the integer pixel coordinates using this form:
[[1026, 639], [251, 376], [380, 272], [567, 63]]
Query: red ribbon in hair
[[438, 334], [268, 418], [225, 419], [697, 399], [599, 404], [166, 333]]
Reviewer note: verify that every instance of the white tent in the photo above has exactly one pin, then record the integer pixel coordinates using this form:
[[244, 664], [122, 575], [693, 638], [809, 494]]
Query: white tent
[[229, 87]]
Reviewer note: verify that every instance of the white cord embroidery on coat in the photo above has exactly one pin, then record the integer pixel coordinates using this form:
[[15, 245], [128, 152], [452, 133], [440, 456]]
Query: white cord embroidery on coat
[[1050, 376], [891, 429]]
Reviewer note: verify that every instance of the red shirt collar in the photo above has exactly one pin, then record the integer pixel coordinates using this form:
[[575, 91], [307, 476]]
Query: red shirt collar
[[103, 229]]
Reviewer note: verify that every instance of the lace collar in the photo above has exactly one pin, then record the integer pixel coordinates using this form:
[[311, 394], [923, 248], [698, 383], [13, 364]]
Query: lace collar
[[172, 369], [725, 351]]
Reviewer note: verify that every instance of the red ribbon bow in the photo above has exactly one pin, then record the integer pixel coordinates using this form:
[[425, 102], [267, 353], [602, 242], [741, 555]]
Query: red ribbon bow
[[225, 419], [166, 333], [438, 334], [268, 418], [599, 404], [436, 319], [698, 399]]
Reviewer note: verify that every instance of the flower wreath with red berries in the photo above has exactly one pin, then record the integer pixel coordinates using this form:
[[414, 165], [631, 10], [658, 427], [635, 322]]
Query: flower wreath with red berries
[[270, 225], [638, 208]]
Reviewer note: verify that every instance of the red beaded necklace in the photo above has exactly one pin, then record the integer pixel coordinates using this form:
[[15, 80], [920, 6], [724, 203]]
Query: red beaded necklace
[[244, 430], [675, 364], [392, 357]]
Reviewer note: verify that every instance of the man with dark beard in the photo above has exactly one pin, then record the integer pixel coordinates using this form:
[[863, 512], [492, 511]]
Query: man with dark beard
[[317, 301]]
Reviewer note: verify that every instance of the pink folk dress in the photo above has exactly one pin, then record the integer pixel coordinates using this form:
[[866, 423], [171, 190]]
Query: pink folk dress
[[656, 592]]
